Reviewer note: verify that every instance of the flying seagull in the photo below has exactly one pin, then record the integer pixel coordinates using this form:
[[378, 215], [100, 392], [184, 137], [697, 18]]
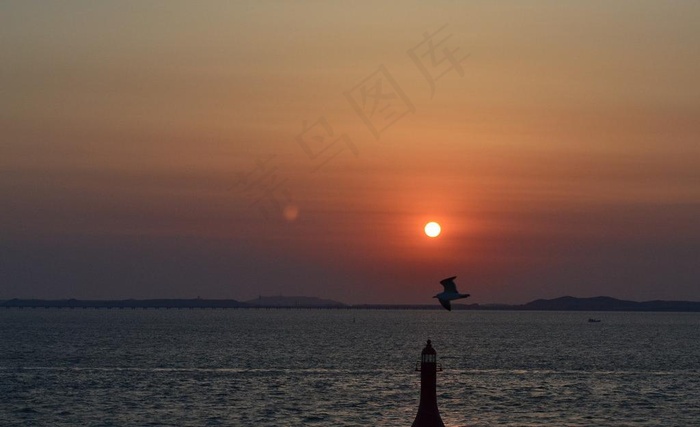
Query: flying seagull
[[450, 293]]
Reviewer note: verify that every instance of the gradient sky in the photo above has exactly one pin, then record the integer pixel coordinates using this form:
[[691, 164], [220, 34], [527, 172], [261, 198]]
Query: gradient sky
[[176, 149]]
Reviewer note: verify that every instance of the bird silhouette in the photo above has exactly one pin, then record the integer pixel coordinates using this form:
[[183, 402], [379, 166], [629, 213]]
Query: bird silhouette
[[450, 293]]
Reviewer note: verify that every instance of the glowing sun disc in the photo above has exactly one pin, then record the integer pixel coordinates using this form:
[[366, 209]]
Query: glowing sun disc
[[432, 229]]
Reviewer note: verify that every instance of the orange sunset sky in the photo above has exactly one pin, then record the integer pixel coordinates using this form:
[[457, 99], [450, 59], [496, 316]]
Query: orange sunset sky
[[235, 149]]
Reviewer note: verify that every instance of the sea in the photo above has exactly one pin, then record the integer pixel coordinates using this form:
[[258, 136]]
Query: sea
[[311, 367]]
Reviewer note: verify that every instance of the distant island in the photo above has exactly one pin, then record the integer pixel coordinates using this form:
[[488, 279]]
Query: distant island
[[566, 303], [290, 302], [260, 302]]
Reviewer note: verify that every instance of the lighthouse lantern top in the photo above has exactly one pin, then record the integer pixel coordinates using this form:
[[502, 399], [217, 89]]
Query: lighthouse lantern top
[[428, 355]]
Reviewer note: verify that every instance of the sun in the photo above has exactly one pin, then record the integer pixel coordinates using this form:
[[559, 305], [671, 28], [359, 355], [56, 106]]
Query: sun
[[432, 229]]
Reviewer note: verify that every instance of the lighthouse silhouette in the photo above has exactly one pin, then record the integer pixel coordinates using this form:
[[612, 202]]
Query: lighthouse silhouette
[[428, 413]]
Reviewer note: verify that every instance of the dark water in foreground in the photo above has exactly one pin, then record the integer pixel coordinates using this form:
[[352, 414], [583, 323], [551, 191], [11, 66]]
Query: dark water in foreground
[[345, 368]]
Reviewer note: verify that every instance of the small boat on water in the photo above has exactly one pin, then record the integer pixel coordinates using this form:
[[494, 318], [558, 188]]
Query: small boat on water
[[591, 320]]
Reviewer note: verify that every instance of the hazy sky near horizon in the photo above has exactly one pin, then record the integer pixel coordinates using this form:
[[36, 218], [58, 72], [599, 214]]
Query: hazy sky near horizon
[[235, 149]]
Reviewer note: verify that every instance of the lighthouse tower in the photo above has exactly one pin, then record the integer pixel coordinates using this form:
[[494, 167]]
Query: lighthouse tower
[[428, 413]]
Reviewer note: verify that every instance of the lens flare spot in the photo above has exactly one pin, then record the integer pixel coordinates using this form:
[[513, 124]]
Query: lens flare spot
[[291, 212]]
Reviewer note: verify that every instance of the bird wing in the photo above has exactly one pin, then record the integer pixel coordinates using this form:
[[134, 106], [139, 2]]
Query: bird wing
[[445, 303], [449, 284]]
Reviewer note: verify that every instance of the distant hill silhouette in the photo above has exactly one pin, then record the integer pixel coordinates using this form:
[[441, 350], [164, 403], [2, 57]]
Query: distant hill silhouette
[[566, 303], [127, 303], [608, 304], [261, 302], [282, 301]]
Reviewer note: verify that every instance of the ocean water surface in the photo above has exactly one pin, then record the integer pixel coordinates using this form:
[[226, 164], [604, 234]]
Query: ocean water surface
[[256, 367]]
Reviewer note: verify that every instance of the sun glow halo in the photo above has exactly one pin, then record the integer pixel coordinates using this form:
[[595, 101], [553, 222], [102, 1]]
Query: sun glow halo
[[432, 229]]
